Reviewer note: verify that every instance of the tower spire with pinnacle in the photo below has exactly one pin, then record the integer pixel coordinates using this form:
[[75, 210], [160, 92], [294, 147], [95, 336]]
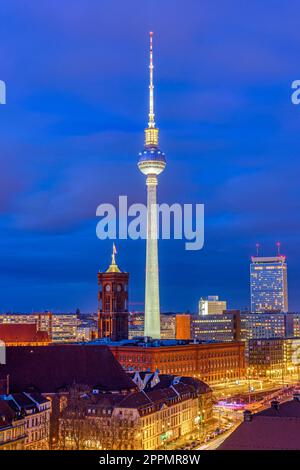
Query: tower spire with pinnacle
[[113, 268]]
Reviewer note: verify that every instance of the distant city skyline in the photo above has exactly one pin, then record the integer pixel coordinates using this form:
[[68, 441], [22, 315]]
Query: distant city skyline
[[74, 114]]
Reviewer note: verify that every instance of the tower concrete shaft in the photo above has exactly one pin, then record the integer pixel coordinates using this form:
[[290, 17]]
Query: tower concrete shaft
[[152, 307]]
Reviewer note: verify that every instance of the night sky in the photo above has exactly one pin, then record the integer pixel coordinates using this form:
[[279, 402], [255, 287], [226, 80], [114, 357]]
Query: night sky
[[77, 84]]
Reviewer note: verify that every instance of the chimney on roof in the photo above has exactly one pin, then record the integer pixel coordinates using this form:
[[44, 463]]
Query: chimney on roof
[[247, 415], [275, 404]]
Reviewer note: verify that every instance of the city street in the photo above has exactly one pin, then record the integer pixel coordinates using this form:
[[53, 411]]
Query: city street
[[253, 387]]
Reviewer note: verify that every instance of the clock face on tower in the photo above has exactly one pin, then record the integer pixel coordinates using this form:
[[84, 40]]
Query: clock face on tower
[[107, 287], [119, 287]]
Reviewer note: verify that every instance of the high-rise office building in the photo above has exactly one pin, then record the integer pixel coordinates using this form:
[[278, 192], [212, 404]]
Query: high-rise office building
[[216, 327], [262, 325], [64, 328], [268, 282], [151, 163], [212, 305], [234, 325]]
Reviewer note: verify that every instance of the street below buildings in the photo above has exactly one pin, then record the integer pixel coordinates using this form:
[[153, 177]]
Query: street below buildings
[[231, 399], [251, 389]]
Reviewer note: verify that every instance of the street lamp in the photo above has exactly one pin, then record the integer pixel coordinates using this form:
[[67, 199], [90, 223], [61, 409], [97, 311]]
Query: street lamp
[[249, 384]]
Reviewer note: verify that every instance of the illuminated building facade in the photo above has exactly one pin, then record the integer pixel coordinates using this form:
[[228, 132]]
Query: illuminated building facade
[[263, 325], [234, 325], [268, 282], [36, 410], [12, 428], [86, 333], [274, 357], [163, 409], [183, 327], [292, 355], [210, 362], [292, 324], [135, 325], [60, 327], [27, 419], [212, 305], [113, 302], [167, 325], [151, 163], [64, 327], [225, 327], [266, 357]]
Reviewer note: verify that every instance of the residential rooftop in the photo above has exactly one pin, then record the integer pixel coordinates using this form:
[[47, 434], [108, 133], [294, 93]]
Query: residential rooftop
[[276, 428], [49, 369]]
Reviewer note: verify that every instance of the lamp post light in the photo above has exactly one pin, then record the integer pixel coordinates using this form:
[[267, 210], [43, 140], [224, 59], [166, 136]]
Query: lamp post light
[[249, 371], [138, 441], [203, 423]]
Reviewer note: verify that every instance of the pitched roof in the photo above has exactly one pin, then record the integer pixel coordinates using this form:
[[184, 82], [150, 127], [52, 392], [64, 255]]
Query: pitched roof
[[289, 409], [18, 403], [166, 380], [37, 398], [135, 400], [22, 400], [270, 429], [166, 390], [149, 399], [48, 369], [22, 333]]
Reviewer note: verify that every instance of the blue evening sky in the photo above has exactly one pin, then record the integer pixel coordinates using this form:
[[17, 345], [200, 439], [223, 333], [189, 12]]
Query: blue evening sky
[[77, 78]]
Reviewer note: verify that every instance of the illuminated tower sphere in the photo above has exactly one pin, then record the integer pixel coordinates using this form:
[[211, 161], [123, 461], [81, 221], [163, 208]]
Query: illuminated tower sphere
[[151, 163]]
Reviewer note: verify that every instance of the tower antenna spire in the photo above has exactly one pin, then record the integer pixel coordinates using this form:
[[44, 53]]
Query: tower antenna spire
[[257, 249], [278, 244], [151, 122]]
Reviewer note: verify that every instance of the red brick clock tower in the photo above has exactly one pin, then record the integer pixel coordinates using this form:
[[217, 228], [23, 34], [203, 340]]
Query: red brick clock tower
[[113, 302]]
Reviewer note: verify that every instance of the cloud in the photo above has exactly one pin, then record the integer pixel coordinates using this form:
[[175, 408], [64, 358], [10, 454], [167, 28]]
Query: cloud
[[77, 85]]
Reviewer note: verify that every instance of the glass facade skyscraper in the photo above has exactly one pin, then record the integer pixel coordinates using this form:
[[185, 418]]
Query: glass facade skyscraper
[[268, 281]]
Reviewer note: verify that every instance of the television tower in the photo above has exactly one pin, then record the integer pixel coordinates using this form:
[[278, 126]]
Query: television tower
[[151, 163]]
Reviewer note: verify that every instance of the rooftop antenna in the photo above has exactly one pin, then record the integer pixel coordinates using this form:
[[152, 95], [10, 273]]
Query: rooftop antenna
[[113, 256], [278, 244], [257, 249]]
